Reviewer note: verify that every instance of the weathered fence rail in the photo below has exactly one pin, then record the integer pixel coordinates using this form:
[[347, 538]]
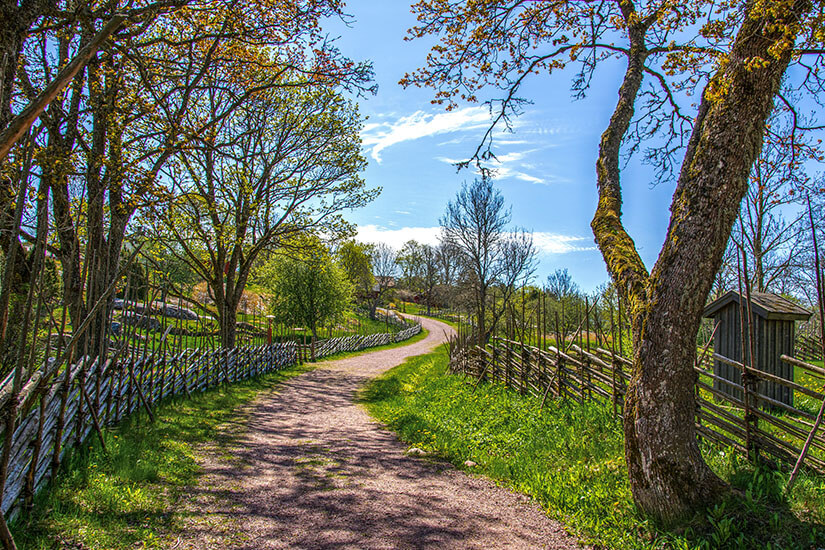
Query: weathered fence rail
[[60, 407], [756, 425], [808, 347]]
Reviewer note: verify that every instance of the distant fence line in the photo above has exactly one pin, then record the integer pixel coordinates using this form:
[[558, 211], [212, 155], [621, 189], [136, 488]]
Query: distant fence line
[[59, 408], [755, 424]]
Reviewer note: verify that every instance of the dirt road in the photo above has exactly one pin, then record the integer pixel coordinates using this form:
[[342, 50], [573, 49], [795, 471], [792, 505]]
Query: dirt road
[[312, 470]]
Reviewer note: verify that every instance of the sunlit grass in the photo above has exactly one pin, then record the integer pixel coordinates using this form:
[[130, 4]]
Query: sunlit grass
[[570, 458]]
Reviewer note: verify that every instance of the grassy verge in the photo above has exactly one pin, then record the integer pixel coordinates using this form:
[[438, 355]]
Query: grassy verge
[[127, 498], [569, 458]]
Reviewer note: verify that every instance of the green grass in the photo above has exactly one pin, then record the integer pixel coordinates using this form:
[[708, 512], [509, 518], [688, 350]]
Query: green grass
[[128, 496], [570, 458]]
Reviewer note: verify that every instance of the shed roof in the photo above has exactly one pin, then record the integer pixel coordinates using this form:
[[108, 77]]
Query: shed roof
[[765, 304]]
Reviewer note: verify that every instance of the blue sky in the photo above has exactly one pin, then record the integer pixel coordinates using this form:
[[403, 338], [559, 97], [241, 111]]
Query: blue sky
[[546, 170]]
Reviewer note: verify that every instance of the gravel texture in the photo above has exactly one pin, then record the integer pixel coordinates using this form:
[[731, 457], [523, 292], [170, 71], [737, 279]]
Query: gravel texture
[[312, 470]]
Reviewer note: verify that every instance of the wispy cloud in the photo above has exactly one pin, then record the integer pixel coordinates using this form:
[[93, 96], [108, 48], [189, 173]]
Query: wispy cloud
[[554, 243], [509, 165], [397, 237], [379, 136]]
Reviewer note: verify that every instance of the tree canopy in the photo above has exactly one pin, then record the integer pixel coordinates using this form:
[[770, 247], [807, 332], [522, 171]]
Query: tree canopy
[[309, 291]]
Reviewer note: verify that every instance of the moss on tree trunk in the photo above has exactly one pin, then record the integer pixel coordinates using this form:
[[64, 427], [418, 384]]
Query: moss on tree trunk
[[668, 476]]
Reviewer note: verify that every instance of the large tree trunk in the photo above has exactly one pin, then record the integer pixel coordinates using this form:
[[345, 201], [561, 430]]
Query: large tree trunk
[[668, 477]]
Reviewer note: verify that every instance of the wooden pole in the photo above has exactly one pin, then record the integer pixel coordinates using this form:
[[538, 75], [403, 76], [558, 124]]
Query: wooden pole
[[745, 383]]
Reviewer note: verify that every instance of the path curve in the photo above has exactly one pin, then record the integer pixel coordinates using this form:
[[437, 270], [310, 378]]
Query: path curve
[[312, 470]]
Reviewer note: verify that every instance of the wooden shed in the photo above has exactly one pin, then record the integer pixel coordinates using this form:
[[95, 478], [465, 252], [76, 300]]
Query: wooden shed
[[774, 330]]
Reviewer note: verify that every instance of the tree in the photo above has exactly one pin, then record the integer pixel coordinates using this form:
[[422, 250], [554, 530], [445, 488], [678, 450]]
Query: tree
[[737, 61], [475, 223], [354, 259], [778, 178], [410, 262], [448, 261], [803, 281], [310, 291], [282, 166], [561, 285], [563, 289], [104, 141], [384, 262], [429, 274]]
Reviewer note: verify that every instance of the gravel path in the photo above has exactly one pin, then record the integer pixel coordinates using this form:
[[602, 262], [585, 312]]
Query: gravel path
[[312, 470]]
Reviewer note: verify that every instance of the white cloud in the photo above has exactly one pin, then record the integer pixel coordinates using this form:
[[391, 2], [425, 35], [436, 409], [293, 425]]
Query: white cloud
[[529, 179], [397, 237], [554, 243], [505, 141], [448, 160], [514, 156], [420, 124], [545, 243], [509, 165]]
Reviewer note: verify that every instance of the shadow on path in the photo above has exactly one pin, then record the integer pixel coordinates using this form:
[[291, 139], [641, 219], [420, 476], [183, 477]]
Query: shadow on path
[[312, 470]]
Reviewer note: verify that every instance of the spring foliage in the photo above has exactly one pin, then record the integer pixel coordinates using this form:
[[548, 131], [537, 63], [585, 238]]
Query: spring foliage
[[310, 291]]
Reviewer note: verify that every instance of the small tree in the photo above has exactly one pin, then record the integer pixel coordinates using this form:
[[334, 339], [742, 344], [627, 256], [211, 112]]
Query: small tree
[[564, 290], [310, 291], [778, 177], [384, 265], [410, 262], [283, 166], [429, 274], [354, 259], [448, 259]]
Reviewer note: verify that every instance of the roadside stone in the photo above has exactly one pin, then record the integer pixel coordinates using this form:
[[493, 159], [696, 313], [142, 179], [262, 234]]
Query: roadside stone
[[415, 451]]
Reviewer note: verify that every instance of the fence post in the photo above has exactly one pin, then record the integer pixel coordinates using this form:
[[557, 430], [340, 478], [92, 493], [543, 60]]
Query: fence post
[[749, 383], [525, 368], [507, 365], [494, 350], [560, 375], [615, 383]]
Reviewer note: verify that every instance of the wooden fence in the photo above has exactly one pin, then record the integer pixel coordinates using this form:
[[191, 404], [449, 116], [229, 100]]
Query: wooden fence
[[357, 343], [59, 408], [808, 347], [755, 425]]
